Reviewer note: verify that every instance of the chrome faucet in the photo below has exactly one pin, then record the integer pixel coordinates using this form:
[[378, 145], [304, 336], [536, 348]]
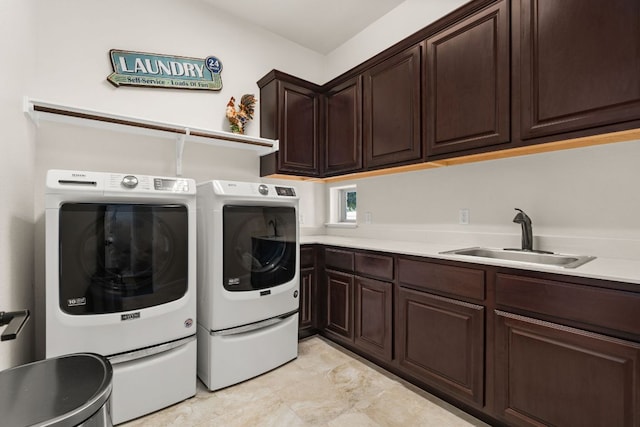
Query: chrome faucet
[[527, 232]]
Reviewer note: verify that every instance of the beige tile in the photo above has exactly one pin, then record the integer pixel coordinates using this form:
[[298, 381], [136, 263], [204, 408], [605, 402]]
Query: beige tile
[[266, 412], [359, 383], [353, 419], [316, 356], [315, 399]]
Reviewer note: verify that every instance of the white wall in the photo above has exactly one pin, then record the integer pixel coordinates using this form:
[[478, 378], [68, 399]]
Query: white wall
[[409, 17], [587, 194], [75, 36], [17, 47]]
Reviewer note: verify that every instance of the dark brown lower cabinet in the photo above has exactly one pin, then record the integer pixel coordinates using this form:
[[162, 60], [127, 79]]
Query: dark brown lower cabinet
[[548, 374], [440, 341], [307, 288], [373, 330], [309, 312], [339, 313]]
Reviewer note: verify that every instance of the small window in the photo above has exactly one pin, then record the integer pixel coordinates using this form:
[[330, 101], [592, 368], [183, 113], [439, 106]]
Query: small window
[[348, 212], [342, 206]]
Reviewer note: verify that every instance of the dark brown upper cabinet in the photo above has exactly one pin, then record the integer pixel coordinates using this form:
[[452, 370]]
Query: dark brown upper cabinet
[[576, 65], [343, 128], [467, 83], [492, 75], [289, 112], [391, 110]]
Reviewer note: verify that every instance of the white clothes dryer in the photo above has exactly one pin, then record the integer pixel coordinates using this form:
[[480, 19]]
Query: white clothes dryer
[[248, 262], [120, 282]]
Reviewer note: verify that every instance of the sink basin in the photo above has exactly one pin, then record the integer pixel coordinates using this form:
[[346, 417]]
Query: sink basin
[[544, 258]]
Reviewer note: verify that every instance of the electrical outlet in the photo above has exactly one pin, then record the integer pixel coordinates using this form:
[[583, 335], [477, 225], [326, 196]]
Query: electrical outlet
[[463, 216], [367, 218]]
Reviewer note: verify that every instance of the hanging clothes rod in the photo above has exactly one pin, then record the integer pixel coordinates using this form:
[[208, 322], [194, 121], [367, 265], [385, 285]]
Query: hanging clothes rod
[[36, 108]]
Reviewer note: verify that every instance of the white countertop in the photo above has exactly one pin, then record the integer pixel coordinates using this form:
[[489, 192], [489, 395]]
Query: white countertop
[[621, 270]]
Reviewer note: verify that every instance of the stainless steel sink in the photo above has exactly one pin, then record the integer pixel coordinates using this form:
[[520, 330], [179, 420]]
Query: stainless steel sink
[[535, 257]]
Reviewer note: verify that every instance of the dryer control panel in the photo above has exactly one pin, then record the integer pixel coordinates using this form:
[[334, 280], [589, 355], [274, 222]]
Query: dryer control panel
[[250, 189], [286, 191]]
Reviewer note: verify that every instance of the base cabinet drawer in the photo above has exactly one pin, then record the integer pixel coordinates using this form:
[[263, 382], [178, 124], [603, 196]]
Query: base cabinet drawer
[[440, 341], [548, 374], [454, 281], [338, 259], [587, 307], [374, 265]]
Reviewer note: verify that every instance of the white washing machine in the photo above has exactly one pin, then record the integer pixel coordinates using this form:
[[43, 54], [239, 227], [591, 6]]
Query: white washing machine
[[248, 262], [120, 282]]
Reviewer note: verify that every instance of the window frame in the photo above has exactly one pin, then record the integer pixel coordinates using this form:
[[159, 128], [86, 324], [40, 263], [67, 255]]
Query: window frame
[[343, 208], [339, 214]]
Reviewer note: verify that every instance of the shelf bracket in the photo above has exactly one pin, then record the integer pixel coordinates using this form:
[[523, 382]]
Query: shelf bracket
[[27, 107], [180, 150]]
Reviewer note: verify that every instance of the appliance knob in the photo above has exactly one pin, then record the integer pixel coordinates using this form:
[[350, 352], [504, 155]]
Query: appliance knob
[[263, 189], [129, 181]]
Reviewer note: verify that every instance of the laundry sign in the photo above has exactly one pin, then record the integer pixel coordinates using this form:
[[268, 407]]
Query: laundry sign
[[166, 71]]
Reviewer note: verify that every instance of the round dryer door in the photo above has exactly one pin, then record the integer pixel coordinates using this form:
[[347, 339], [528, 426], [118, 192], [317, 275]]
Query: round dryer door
[[259, 249]]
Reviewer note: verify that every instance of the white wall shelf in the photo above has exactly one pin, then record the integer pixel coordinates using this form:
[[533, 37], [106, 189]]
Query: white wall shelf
[[40, 110]]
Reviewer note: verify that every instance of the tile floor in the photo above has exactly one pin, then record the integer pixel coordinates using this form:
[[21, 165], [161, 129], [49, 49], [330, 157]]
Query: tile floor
[[325, 386]]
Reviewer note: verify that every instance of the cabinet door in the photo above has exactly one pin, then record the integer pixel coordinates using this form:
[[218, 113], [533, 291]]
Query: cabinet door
[[298, 129], [547, 374], [391, 110], [340, 304], [373, 317], [307, 289], [343, 144], [576, 64], [467, 74], [440, 341]]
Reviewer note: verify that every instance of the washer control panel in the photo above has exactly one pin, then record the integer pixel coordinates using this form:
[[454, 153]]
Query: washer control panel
[[129, 181], [147, 183], [117, 184], [170, 184]]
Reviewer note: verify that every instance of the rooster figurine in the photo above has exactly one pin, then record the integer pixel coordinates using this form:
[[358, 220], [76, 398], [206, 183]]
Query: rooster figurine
[[239, 118]]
